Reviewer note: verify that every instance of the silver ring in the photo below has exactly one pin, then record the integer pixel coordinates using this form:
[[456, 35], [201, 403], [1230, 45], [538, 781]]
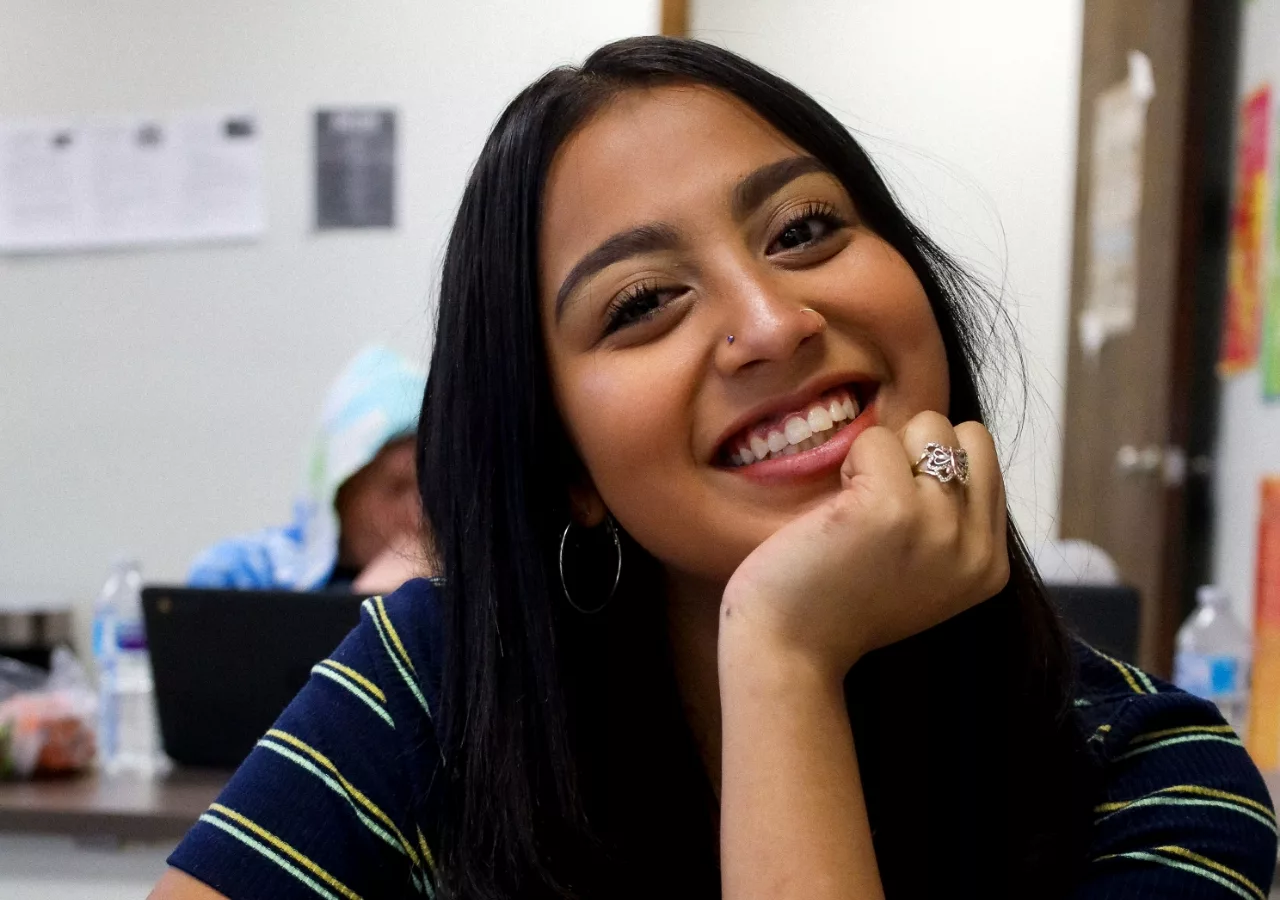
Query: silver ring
[[943, 463]]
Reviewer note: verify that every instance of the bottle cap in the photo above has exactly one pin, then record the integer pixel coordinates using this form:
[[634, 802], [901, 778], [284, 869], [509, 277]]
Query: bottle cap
[[1211, 595]]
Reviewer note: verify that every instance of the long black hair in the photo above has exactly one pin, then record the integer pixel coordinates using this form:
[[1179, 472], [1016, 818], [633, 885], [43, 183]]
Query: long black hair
[[568, 767]]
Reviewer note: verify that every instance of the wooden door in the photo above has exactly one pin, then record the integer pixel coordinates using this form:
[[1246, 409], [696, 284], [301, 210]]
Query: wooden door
[[1132, 408]]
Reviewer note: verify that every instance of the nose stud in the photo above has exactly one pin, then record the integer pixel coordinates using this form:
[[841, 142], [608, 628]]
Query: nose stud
[[730, 339]]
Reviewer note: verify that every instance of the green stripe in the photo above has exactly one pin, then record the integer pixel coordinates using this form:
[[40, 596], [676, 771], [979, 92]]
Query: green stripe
[[335, 787], [1168, 742], [355, 689], [270, 854], [386, 645], [1186, 867], [1180, 801], [1081, 702], [1142, 676]]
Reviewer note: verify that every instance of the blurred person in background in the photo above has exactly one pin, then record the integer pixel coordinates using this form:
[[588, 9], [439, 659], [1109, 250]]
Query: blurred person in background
[[359, 524]]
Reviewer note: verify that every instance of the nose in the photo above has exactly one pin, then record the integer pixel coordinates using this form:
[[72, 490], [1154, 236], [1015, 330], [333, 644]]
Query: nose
[[763, 325]]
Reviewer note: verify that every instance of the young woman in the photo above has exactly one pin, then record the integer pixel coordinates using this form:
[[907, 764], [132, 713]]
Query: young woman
[[730, 606]]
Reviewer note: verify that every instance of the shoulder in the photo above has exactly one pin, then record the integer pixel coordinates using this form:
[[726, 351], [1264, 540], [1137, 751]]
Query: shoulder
[[1181, 803], [400, 634], [337, 793]]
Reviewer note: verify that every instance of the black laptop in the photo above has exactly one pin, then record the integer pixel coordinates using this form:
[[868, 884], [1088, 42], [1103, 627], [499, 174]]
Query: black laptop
[[227, 662]]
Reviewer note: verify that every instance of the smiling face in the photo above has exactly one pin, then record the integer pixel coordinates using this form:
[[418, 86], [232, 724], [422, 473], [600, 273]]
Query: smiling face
[[676, 218]]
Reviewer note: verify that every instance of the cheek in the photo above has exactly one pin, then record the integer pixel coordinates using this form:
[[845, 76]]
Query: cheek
[[897, 315], [632, 429], [625, 420]]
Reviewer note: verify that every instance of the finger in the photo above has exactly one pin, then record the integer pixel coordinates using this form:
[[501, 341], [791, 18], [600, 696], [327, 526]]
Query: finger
[[987, 514], [986, 482], [924, 429], [877, 452]]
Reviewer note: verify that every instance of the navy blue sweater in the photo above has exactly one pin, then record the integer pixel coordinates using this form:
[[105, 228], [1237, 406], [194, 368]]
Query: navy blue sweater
[[321, 808]]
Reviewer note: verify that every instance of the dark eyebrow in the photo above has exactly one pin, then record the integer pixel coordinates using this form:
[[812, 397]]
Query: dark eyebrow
[[633, 242], [748, 195], [764, 182]]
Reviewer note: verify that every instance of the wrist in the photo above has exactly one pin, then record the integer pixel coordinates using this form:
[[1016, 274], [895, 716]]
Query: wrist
[[754, 655]]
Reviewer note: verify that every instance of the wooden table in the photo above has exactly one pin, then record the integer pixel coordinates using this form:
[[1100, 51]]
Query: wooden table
[[110, 809]]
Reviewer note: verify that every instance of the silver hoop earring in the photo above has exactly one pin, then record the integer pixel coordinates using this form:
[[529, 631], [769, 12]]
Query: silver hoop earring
[[617, 575]]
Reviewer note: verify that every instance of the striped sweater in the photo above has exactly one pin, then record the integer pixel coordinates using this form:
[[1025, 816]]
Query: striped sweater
[[335, 800]]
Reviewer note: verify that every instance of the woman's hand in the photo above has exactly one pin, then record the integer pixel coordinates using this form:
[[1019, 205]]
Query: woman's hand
[[891, 555]]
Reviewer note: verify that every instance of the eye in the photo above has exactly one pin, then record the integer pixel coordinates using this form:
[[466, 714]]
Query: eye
[[638, 304], [811, 225]]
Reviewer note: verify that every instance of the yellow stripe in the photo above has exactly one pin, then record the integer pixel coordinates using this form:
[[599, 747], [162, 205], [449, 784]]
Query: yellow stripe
[[1193, 801], [293, 854], [356, 677], [1128, 676], [267, 853], [349, 787], [1224, 795], [409, 680], [1169, 742], [1191, 789], [426, 852], [1186, 729], [391, 630], [1212, 864], [1181, 866]]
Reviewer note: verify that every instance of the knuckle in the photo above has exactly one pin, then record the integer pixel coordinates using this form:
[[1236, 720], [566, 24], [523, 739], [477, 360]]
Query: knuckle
[[974, 433]]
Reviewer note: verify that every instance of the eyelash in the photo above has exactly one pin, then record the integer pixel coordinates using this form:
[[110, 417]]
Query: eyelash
[[617, 311]]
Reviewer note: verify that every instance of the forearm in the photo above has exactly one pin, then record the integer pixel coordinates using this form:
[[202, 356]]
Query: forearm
[[793, 817]]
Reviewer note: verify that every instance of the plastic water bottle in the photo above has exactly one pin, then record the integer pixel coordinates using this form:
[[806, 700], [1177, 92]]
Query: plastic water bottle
[[128, 736], [1213, 656]]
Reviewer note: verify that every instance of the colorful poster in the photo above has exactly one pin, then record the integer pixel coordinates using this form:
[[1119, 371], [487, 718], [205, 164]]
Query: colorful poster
[[1241, 329], [1263, 733], [1271, 317]]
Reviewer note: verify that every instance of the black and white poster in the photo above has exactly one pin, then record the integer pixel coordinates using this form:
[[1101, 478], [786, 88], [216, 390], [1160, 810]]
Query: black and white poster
[[355, 168]]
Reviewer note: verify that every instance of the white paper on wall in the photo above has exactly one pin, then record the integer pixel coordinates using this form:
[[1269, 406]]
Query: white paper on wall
[[1115, 207], [70, 185]]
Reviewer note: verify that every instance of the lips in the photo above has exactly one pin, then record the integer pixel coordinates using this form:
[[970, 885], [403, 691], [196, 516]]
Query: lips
[[798, 427]]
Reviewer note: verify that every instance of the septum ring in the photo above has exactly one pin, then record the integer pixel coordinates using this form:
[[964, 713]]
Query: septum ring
[[943, 463]]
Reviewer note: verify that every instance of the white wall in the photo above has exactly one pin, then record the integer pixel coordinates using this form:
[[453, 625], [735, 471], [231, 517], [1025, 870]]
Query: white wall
[[154, 401], [1249, 429], [971, 108]]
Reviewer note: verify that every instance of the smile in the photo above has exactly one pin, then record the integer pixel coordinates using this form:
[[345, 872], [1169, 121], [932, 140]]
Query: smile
[[796, 431]]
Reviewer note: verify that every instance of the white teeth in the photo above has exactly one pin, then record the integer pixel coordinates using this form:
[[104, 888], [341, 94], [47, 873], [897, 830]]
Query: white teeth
[[819, 419], [837, 411], [759, 446], [747, 456], [776, 441], [736, 459], [849, 409], [797, 429]]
